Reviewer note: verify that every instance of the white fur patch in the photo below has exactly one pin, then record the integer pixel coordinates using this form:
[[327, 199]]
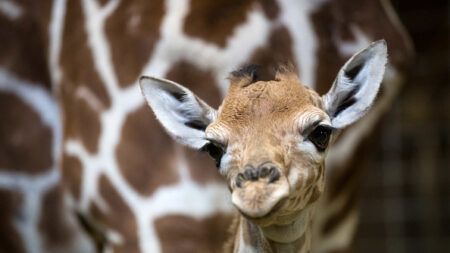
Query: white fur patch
[[55, 33], [10, 9]]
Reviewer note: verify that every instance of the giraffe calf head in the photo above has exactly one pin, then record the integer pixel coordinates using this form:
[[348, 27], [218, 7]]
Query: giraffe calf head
[[270, 138]]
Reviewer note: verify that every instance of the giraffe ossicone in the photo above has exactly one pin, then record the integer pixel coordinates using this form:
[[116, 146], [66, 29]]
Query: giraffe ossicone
[[270, 140]]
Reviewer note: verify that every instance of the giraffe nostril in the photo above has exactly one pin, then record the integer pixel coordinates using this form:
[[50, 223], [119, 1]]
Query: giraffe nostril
[[254, 175], [264, 172], [240, 178], [274, 174], [251, 174]]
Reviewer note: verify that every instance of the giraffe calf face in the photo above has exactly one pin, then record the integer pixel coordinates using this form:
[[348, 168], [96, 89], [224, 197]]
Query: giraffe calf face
[[270, 138]]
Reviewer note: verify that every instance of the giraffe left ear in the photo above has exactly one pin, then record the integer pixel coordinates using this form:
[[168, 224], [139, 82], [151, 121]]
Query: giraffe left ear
[[356, 85], [183, 115]]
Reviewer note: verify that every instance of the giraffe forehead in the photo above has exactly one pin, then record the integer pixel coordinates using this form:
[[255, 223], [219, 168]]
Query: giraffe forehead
[[263, 103]]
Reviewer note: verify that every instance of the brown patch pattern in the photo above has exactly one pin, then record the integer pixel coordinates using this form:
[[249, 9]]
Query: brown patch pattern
[[53, 225], [25, 142], [132, 31], [145, 153], [72, 175], [215, 21], [179, 233], [76, 57], [125, 225], [278, 49], [80, 119], [10, 213]]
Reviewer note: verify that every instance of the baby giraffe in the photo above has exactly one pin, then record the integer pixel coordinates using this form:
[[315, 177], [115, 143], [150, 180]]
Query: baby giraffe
[[269, 140]]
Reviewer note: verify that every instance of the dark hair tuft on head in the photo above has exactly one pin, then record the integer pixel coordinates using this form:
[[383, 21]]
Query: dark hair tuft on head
[[285, 67], [246, 71], [254, 73]]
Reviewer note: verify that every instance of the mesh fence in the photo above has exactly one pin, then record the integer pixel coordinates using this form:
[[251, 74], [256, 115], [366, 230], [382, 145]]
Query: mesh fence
[[406, 196]]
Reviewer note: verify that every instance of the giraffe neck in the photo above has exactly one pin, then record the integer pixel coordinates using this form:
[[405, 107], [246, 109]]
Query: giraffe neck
[[292, 237]]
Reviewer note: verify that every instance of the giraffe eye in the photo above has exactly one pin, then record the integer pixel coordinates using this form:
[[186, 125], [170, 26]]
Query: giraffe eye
[[320, 137], [215, 151]]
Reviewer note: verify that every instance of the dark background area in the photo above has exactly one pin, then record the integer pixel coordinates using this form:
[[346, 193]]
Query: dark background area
[[406, 197]]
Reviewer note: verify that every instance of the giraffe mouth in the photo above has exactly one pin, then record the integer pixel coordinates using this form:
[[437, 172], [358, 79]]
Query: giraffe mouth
[[271, 213], [259, 200]]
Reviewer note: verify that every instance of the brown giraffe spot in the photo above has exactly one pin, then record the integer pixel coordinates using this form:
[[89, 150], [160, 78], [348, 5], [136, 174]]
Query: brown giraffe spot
[[179, 233], [81, 121], [125, 225], [215, 21], [145, 153], [314, 195], [76, 59], [278, 49], [271, 8], [103, 2], [310, 178], [279, 157], [24, 42], [53, 225], [127, 248], [10, 212], [132, 31], [72, 175], [334, 20], [200, 82], [25, 142]]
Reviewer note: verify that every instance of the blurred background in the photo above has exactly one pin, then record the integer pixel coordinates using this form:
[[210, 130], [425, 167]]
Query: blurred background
[[406, 198]]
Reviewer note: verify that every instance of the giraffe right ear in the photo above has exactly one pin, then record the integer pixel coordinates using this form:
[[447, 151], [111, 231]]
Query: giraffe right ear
[[183, 115], [356, 85]]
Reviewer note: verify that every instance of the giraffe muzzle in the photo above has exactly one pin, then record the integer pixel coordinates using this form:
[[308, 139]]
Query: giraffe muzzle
[[258, 190]]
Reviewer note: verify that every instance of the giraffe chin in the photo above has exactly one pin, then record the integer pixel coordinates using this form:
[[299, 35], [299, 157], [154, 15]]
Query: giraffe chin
[[259, 200]]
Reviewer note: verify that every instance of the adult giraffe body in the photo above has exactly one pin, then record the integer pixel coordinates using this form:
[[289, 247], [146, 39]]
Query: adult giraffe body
[[87, 56]]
